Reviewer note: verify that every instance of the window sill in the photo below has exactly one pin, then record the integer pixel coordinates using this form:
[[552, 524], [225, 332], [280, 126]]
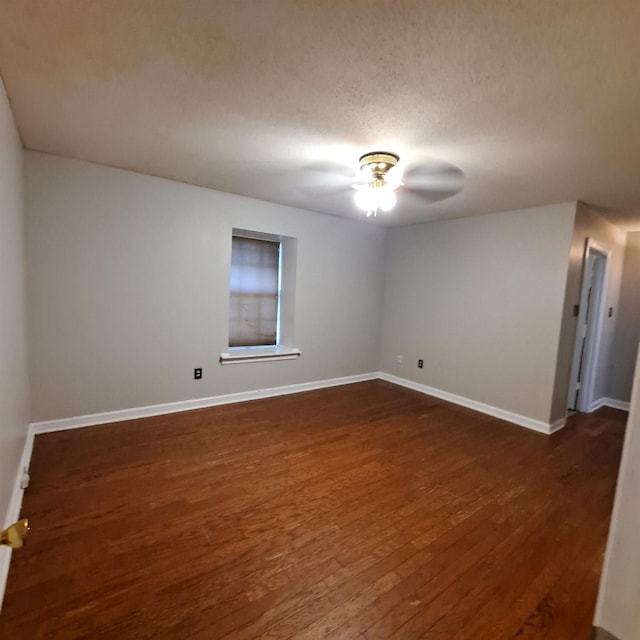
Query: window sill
[[241, 355]]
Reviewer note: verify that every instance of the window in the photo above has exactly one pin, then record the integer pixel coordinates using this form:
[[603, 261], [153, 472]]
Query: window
[[254, 292], [261, 287]]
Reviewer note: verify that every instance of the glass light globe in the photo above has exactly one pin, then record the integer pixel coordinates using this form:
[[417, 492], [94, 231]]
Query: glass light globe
[[371, 199], [386, 198], [365, 199]]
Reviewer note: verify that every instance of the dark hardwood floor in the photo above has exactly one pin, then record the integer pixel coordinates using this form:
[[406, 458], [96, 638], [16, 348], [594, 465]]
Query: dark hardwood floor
[[359, 512]]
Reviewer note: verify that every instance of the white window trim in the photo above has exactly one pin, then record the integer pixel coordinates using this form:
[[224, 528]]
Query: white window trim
[[244, 355]]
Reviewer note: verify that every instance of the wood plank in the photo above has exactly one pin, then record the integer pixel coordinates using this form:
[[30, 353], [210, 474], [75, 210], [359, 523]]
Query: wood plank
[[357, 512]]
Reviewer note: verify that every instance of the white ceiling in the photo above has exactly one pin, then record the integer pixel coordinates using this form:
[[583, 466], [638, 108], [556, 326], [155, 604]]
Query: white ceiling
[[533, 101]]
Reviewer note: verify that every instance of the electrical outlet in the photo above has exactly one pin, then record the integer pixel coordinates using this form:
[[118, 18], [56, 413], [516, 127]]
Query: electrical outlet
[[399, 359], [197, 374], [610, 311], [420, 364]]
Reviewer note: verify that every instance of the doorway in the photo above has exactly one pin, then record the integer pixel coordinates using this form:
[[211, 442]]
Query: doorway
[[590, 312]]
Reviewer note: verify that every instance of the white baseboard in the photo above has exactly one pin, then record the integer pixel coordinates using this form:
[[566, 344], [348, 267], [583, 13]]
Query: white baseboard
[[13, 513], [617, 404], [557, 425], [502, 414], [213, 401], [595, 405], [187, 405], [609, 402]]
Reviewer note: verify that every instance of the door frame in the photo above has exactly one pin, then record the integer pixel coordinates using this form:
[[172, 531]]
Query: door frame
[[589, 358]]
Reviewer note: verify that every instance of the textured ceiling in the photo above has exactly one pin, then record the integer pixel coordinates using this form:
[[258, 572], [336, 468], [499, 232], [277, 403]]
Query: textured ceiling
[[530, 101]]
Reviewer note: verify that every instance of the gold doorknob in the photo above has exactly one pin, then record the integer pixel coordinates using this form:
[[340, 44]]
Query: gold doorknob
[[13, 535]]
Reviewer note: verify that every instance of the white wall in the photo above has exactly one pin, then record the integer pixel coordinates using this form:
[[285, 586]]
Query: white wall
[[13, 357], [617, 611], [480, 301], [589, 225], [627, 332], [128, 280]]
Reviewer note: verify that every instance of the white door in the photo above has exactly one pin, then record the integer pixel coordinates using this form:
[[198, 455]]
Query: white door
[[585, 358]]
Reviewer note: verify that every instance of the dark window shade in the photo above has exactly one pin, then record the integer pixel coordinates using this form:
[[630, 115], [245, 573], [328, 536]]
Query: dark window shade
[[253, 304]]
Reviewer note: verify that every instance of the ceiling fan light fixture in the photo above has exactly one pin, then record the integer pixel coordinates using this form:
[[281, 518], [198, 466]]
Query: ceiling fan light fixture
[[378, 190], [378, 162]]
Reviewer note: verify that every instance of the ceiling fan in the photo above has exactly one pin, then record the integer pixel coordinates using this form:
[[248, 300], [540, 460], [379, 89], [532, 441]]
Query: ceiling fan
[[381, 179], [378, 182]]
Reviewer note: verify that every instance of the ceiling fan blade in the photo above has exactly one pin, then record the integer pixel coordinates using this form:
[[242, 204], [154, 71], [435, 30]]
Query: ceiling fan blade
[[428, 196], [434, 174], [419, 178], [432, 181], [323, 191], [328, 168], [323, 179]]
